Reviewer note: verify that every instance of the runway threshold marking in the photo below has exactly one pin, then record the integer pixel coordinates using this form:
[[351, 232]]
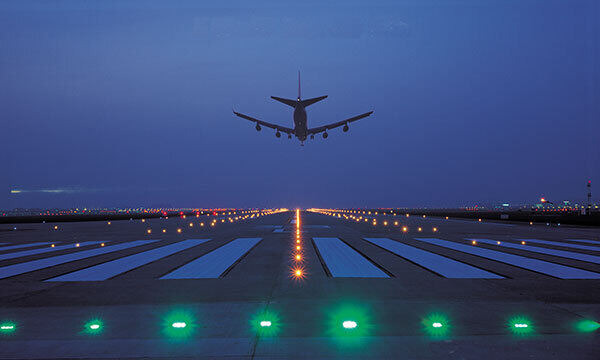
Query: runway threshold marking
[[540, 266], [216, 262], [46, 249], [11, 247], [22, 268], [113, 268], [343, 261], [558, 243], [560, 253], [439, 264]]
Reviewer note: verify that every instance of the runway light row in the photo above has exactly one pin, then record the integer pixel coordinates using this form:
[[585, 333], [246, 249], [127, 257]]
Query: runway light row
[[334, 214], [215, 221], [297, 270], [253, 214], [342, 321]]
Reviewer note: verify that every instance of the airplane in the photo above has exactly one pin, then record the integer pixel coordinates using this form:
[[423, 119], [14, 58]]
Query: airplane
[[301, 130]]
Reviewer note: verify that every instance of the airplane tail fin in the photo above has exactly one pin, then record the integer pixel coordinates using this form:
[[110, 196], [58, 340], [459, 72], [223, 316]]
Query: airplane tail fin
[[288, 102], [299, 95], [293, 103]]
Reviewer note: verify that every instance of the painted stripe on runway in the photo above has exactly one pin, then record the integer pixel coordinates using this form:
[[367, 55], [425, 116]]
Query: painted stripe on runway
[[113, 268], [45, 249], [437, 263], [544, 267], [216, 262], [585, 241], [278, 230], [22, 268], [343, 261], [558, 243], [537, 249], [24, 245]]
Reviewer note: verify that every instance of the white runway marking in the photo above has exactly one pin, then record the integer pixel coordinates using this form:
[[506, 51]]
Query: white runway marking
[[474, 221], [113, 268], [585, 241], [22, 268], [561, 253], [24, 245], [278, 230], [437, 263], [558, 243], [46, 249], [544, 267], [343, 261], [213, 264]]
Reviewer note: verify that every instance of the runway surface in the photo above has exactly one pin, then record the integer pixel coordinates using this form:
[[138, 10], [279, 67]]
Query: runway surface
[[299, 285]]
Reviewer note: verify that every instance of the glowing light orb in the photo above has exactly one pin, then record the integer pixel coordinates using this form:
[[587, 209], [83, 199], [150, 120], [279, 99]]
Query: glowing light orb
[[179, 325], [349, 324], [437, 325], [265, 323]]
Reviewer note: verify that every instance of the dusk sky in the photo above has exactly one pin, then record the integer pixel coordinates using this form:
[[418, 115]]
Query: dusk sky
[[130, 104]]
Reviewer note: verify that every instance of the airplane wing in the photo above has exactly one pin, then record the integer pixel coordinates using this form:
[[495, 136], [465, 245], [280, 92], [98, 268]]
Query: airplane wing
[[266, 124], [339, 123]]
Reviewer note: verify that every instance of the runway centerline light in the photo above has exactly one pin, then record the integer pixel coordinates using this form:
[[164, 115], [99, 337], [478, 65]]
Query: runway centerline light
[[349, 324]]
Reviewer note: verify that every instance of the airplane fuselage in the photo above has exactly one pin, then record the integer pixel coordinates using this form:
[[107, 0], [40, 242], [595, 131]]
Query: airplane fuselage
[[300, 125]]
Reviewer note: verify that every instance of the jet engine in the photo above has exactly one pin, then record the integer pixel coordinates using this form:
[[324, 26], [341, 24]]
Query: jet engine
[[258, 127], [278, 134], [325, 135], [346, 128]]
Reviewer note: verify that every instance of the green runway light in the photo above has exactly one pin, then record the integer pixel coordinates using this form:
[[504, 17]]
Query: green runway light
[[179, 324], [266, 323], [587, 326], [349, 324], [7, 327], [436, 325], [93, 326], [520, 325]]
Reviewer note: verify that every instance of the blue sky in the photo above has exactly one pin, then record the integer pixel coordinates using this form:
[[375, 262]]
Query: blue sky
[[129, 104]]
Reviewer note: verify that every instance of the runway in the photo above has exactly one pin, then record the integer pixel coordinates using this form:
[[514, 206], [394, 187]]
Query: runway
[[328, 284]]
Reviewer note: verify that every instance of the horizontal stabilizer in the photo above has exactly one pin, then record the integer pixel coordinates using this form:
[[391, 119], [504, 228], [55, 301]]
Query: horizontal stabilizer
[[309, 102], [289, 102]]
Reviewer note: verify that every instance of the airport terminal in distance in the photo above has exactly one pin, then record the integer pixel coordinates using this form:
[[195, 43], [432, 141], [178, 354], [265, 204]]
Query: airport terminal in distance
[[298, 283]]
